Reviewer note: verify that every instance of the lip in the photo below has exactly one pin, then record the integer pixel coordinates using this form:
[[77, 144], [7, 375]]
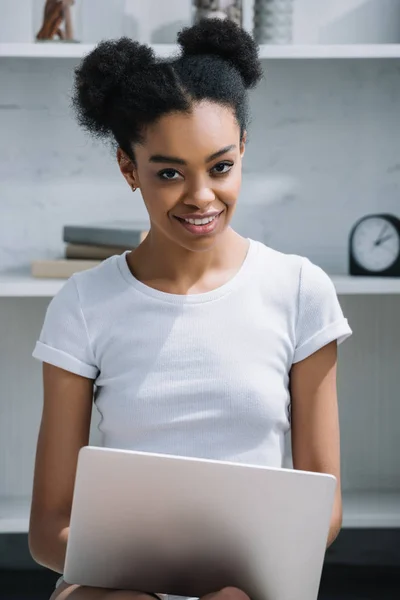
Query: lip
[[198, 215], [200, 230]]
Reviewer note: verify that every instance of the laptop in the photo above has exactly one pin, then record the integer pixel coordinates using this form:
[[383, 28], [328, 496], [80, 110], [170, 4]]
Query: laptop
[[188, 527]]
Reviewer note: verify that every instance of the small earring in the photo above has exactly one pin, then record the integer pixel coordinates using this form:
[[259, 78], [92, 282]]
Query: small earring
[[134, 188]]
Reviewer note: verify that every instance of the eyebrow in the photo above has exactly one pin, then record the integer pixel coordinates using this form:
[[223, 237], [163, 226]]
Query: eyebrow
[[160, 158]]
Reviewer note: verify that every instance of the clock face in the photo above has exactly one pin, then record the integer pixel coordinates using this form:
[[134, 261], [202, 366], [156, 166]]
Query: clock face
[[376, 244]]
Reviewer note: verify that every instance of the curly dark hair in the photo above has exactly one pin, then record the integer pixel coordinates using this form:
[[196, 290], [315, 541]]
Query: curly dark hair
[[120, 87]]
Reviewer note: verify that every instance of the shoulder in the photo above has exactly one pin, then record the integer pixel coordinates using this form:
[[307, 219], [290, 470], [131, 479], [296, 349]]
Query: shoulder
[[91, 287], [67, 338], [278, 273], [303, 290], [86, 292], [298, 271], [83, 289], [308, 296]]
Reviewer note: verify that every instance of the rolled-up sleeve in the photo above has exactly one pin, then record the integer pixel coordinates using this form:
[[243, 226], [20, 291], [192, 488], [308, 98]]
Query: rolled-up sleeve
[[64, 339], [320, 318]]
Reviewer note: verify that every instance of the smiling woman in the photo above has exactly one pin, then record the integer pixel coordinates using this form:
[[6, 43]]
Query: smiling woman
[[188, 115], [199, 341]]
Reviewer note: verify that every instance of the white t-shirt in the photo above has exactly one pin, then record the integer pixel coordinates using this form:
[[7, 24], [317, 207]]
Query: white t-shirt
[[203, 375]]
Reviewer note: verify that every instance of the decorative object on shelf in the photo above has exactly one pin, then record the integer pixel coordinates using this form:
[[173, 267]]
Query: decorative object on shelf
[[273, 21], [60, 268], [374, 246], [88, 245], [92, 252], [222, 9], [120, 234], [56, 14]]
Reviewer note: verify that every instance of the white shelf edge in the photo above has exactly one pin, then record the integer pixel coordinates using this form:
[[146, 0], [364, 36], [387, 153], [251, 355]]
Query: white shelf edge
[[65, 50], [14, 514], [267, 51], [44, 50], [331, 51], [371, 510], [350, 285], [24, 286], [360, 510]]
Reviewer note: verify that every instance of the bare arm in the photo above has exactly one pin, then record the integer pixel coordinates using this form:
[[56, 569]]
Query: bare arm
[[63, 431], [315, 421]]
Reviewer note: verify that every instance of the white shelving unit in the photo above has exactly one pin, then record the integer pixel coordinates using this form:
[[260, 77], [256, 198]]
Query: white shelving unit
[[267, 52], [14, 286]]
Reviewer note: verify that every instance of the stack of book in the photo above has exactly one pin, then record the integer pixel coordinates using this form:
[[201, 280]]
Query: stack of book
[[86, 246]]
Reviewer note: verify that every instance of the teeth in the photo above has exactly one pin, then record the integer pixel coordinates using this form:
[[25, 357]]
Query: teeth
[[200, 221]]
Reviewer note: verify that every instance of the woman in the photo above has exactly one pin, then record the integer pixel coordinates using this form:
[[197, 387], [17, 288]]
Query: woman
[[199, 341]]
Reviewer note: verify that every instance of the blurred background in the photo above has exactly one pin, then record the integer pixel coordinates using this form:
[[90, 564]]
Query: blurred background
[[323, 153]]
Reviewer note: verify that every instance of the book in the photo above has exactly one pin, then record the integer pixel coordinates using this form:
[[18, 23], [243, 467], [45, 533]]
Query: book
[[87, 252], [60, 268], [118, 234]]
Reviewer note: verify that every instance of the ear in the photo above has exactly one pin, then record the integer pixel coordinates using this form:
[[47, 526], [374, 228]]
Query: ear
[[127, 168], [243, 144]]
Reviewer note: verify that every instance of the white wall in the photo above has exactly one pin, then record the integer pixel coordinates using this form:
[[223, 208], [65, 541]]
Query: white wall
[[346, 21]]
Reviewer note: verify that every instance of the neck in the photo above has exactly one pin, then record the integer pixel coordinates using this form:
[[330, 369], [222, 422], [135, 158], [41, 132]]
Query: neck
[[164, 265]]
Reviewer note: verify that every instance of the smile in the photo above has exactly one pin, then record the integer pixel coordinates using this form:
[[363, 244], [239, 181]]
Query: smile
[[200, 221], [199, 226]]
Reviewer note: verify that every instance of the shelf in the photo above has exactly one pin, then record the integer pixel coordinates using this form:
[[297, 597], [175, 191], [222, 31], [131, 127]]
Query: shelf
[[14, 515], [319, 51], [348, 285], [371, 510], [361, 510], [267, 51], [21, 286], [65, 50], [17, 286]]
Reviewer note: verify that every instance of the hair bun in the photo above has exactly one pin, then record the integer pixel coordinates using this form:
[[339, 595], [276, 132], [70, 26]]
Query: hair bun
[[102, 77], [223, 38]]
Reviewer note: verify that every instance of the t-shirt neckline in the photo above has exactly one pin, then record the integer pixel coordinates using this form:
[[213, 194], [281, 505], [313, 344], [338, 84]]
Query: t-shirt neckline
[[180, 299]]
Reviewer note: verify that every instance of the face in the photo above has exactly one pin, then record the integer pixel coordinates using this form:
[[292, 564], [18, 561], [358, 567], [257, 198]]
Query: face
[[188, 169]]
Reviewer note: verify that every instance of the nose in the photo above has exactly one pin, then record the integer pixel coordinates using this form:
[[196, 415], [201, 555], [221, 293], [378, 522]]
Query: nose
[[200, 196]]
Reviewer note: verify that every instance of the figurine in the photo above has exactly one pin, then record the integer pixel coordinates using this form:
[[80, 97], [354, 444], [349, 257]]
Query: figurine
[[55, 13]]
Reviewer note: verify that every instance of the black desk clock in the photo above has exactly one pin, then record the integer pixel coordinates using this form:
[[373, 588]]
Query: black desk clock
[[374, 246]]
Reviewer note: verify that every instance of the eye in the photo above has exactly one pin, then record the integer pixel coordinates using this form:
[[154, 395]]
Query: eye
[[169, 174], [222, 168]]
